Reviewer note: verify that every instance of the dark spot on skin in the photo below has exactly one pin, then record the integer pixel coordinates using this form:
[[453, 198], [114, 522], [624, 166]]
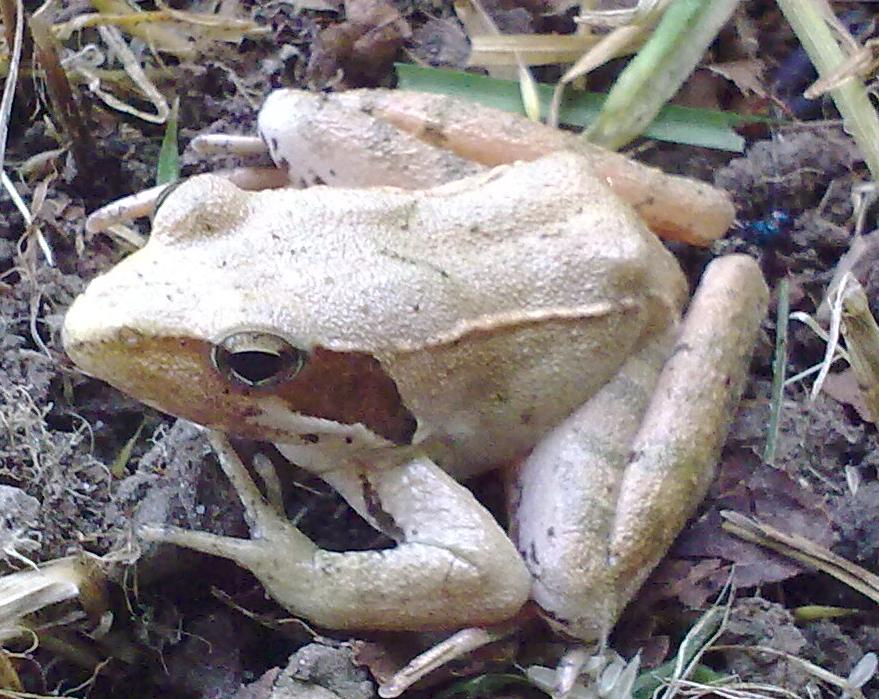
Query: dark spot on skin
[[274, 144], [416, 308], [474, 228], [682, 347], [349, 440], [727, 381], [433, 133], [550, 533], [634, 455], [332, 172], [532, 554], [310, 438], [284, 164], [374, 507]]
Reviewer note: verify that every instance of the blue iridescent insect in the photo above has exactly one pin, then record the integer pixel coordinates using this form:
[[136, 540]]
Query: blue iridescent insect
[[769, 230]]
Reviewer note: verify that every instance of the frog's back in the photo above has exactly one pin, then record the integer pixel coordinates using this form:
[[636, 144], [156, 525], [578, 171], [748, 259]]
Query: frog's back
[[554, 281], [389, 270]]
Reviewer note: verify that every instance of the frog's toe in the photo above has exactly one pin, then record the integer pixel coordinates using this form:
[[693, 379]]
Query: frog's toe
[[242, 551]]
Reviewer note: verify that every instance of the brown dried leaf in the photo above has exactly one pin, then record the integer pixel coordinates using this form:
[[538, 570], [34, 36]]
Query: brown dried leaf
[[381, 661], [746, 74], [441, 42], [843, 388], [744, 486], [360, 50]]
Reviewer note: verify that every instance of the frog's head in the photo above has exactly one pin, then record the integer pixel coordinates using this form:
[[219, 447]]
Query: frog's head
[[189, 325]]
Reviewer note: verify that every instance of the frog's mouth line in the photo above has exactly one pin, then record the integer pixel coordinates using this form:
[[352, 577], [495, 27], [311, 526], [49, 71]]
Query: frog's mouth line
[[177, 375]]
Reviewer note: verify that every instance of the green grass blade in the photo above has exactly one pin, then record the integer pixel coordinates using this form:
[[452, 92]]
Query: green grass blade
[[779, 366], [168, 167], [685, 125], [659, 69]]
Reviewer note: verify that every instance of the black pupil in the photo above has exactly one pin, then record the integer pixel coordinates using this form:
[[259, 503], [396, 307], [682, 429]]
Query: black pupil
[[256, 367]]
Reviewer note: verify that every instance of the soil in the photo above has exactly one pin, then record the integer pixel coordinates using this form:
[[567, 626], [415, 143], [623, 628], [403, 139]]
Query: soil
[[82, 465]]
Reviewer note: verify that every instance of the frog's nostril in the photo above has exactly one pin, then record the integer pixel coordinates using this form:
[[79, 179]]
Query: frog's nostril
[[257, 359]]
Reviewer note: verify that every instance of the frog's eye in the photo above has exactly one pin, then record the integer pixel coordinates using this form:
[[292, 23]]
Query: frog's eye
[[257, 359], [165, 193]]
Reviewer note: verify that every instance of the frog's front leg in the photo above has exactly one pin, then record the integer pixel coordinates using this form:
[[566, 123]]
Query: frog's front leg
[[604, 496], [452, 566]]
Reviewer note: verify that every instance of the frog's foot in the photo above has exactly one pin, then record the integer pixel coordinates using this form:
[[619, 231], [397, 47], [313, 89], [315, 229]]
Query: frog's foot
[[627, 483], [143, 203], [228, 144], [453, 565], [123, 210], [463, 642]]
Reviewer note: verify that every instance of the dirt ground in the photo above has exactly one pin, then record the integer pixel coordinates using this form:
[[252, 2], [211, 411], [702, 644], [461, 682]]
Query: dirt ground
[[81, 464]]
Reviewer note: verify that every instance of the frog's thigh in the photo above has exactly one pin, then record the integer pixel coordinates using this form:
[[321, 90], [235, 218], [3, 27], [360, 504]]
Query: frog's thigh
[[566, 492], [676, 449], [453, 565]]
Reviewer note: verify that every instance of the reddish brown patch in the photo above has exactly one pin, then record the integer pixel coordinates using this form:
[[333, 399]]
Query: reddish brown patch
[[349, 387]]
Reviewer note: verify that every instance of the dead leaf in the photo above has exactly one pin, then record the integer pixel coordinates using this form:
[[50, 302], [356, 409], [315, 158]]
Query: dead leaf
[[843, 388], [745, 486], [361, 50], [746, 74]]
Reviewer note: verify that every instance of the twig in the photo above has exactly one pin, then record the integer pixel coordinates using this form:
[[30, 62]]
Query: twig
[[66, 109], [801, 549]]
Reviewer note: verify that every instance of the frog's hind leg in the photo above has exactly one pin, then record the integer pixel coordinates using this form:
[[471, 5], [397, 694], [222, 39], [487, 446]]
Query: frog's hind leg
[[603, 497], [685, 427], [143, 203], [564, 495]]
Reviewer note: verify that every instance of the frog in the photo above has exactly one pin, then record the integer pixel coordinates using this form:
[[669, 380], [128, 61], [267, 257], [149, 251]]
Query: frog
[[399, 336]]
